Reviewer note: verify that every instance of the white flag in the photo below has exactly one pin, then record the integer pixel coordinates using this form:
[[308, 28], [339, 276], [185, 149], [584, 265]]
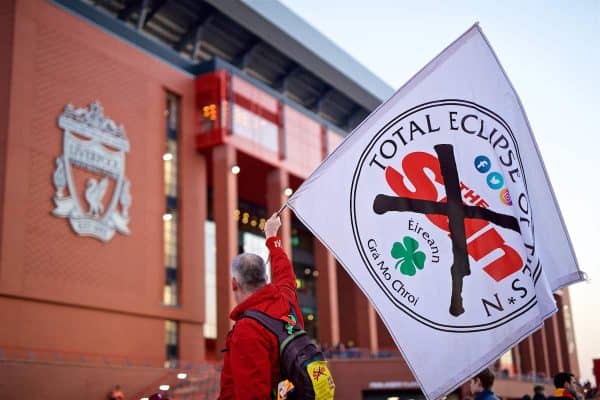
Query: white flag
[[439, 207]]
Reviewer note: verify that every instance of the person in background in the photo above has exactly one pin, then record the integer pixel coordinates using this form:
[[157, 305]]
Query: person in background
[[116, 394], [538, 393], [565, 384], [481, 385]]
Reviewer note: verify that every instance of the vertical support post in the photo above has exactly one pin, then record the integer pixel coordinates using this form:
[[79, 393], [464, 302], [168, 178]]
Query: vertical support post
[[366, 333], [373, 342], [281, 132], [527, 356], [553, 341], [225, 194], [324, 144], [567, 338], [541, 352], [516, 355], [192, 220], [327, 296]]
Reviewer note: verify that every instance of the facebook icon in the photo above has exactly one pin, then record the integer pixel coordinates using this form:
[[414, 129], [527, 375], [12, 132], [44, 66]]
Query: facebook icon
[[482, 164]]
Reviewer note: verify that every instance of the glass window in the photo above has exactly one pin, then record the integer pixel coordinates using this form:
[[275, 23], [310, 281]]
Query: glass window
[[255, 128], [210, 280], [251, 222], [171, 343], [170, 216], [255, 114], [170, 168], [251, 218]]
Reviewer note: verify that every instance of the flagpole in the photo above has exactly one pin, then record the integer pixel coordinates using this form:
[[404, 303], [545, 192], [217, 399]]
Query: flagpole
[[283, 207]]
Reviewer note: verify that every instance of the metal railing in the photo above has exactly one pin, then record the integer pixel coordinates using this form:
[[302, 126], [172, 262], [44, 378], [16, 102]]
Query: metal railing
[[198, 383]]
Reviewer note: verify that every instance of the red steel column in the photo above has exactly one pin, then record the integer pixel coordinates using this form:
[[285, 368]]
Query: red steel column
[[566, 333], [225, 195], [516, 355], [373, 336], [365, 320], [327, 295], [348, 313], [540, 349], [192, 227], [570, 333], [527, 356], [554, 345]]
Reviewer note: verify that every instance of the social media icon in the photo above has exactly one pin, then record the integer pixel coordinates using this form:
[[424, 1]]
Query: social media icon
[[505, 197], [482, 164], [495, 180]]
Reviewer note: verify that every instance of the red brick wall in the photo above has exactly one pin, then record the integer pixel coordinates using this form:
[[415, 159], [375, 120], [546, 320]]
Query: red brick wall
[[74, 382], [58, 58], [43, 326]]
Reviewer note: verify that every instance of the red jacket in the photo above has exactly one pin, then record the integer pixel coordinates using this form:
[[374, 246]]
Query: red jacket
[[251, 362]]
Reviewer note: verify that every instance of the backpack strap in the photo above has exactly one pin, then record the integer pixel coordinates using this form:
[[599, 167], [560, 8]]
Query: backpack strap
[[293, 313], [274, 325]]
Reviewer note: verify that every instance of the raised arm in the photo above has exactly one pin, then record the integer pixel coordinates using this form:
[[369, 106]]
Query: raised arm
[[282, 271]]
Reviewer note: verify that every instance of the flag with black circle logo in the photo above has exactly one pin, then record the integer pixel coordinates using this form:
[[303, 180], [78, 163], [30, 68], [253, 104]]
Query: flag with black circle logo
[[439, 207]]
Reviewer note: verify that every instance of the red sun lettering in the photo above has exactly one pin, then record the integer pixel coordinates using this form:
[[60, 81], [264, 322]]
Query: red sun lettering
[[415, 165]]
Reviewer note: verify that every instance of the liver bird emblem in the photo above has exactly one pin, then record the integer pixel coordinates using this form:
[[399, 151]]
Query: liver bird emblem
[[94, 193]]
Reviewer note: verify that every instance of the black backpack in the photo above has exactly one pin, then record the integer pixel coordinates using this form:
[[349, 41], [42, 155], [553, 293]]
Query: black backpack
[[301, 361]]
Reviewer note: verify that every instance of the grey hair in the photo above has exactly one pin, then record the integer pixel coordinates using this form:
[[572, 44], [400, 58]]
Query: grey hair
[[249, 271]]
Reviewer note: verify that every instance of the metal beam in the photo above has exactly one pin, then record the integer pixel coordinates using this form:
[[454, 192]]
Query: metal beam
[[143, 11], [130, 7], [318, 101], [200, 23], [243, 59], [300, 42], [156, 6], [353, 117], [323, 99], [197, 42], [282, 82]]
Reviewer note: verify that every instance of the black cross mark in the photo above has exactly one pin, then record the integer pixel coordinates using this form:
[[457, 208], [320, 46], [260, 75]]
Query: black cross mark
[[456, 212]]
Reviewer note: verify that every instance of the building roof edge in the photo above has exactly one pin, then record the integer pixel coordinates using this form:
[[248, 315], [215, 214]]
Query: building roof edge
[[290, 34]]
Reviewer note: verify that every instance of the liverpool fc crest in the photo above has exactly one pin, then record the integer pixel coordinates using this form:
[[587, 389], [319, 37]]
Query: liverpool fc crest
[[92, 170]]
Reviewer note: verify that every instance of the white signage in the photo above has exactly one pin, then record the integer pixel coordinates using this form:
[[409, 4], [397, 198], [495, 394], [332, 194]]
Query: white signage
[[439, 208], [92, 171]]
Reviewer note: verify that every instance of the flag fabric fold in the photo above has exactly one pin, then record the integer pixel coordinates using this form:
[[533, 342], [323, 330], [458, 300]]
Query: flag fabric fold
[[439, 207]]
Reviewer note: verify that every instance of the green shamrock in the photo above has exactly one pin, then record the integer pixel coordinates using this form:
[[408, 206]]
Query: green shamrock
[[408, 257]]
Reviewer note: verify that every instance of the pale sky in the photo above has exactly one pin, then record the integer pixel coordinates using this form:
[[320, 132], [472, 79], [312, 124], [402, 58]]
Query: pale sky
[[550, 51]]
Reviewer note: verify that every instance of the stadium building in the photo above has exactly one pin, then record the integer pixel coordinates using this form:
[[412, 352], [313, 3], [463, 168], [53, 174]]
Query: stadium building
[[143, 143]]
